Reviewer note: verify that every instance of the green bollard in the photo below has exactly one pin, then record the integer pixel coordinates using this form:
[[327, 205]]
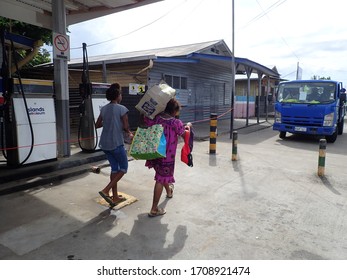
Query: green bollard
[[234, 147]]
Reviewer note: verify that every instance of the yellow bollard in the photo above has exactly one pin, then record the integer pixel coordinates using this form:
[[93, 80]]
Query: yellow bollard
[[321, 158], [213, 133], [234, 147]]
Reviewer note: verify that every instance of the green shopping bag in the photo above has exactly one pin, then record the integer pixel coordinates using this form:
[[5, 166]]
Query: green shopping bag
[[149, 143]]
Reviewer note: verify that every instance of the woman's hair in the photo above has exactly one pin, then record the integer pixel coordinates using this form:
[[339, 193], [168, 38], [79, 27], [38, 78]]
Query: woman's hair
[[173, 106], [113, 92]]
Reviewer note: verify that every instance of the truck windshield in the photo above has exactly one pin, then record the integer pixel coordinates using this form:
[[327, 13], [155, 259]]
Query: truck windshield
[[312, 93]]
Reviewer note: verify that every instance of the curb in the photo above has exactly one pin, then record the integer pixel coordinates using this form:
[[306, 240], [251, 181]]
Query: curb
[[54, 171], [24, 184]]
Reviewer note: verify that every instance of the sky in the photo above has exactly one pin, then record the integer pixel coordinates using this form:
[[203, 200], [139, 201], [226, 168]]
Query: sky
[[281, 33]]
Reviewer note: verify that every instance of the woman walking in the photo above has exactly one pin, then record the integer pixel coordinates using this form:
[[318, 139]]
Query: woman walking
[[113, 119], [164, 167]]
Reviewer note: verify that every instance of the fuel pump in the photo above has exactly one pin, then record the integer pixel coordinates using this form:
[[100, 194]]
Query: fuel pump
[[29, 128], [87, 133], [93, 98], [3, 81], [2, 127]]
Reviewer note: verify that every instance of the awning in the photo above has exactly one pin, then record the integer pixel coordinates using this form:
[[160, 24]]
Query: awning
[[242, 64], [39, 12]]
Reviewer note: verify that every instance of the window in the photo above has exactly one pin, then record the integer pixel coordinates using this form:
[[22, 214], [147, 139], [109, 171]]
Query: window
[[184, 83], [176, 82], [168, 80]]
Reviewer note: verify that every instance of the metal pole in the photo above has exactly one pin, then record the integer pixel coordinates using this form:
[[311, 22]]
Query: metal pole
[[321, 158], [249, 71], [213, 133], [234, 150], [267, 98], [259, 95], [233, 72], [61, 82]]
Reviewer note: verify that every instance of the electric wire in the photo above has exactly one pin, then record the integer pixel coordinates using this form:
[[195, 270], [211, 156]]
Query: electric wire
[[264, 12], [135, 30], [188, 14], [291, 73], [283, 39]]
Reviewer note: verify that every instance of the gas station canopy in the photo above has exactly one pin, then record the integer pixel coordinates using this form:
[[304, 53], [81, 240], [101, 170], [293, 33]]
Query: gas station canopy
[[56, 15], [39, 12]]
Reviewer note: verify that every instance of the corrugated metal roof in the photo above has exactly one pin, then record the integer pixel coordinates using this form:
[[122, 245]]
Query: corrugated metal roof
[[176, 51], [216, 52], [39, 12]]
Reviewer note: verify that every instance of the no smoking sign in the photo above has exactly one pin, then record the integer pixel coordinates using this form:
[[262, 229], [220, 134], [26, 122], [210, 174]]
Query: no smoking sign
[[61, 46]]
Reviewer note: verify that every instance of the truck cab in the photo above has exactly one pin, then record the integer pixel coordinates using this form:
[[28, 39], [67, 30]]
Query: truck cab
[[315, 107]]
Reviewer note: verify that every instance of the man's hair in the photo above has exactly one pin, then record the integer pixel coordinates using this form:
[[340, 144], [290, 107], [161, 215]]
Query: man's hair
[[113, 92]]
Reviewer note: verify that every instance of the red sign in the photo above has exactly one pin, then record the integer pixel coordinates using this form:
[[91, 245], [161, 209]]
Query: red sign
[[61, 46], [61, 43]]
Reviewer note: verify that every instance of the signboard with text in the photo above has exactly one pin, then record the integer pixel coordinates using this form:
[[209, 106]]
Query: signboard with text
[[136, 89], [61, 46]]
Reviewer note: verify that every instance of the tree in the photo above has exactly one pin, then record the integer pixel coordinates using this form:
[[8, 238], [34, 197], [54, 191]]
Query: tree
[[27, 30], [33, 32], [42, 57]]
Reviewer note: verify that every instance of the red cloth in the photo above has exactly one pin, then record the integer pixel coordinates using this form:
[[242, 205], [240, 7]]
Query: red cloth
[[186, 155]]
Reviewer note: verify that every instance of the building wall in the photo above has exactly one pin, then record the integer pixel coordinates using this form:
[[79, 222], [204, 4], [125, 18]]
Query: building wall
[[265, 106], [241, 87], [122, 73], [208, 89]]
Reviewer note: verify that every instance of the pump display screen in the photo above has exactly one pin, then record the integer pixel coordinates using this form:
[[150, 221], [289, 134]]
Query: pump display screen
[[100, 88]]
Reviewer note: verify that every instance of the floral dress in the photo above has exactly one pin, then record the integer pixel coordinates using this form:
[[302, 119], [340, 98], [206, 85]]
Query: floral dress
[[164, 167]]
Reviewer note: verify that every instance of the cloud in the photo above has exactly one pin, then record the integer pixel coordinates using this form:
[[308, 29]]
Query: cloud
[[277, 33]]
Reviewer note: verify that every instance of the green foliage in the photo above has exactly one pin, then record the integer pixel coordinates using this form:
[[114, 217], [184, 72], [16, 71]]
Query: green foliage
[[27, 30], [42, 57], [32, 32]]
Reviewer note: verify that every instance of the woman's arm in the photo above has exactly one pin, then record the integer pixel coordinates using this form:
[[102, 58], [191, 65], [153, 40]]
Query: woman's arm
[[125, 121], [98, 123], [126, 128], [186, 129]]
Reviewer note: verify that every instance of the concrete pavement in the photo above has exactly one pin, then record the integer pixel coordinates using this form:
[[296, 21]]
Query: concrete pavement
[[28, 176], [270, 204]]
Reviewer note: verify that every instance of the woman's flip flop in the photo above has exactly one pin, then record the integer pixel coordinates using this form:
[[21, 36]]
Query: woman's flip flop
[[172, 189], [159, 212]]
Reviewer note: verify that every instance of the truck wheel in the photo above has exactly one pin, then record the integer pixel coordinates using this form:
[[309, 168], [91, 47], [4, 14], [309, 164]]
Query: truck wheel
[[332, 138], [282, 134], [340, 126]]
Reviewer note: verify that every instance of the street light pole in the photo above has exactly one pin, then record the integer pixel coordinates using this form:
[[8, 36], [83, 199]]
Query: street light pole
[[233, 70]]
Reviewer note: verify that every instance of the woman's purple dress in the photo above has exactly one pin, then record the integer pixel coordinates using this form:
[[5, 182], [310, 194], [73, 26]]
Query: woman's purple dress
[[164, 167]]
